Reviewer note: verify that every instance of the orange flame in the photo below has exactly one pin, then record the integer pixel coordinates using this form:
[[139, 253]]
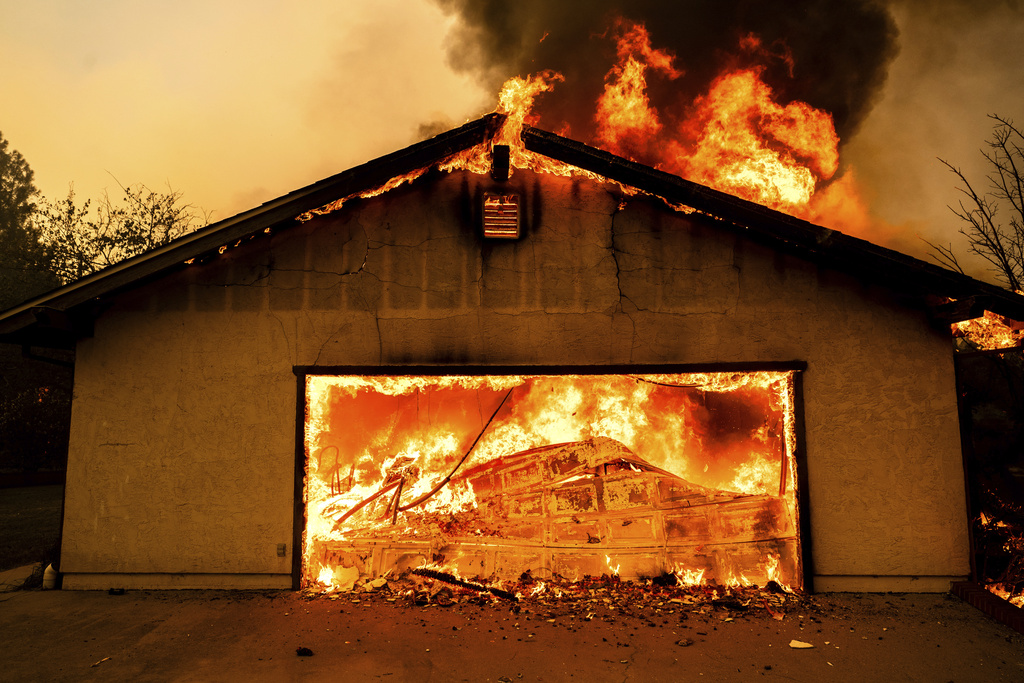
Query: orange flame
[[516, 102], [737, 137], [747, 144], [368, 444], [992, 331], [689, 577], [1000, 590], [626, 122]]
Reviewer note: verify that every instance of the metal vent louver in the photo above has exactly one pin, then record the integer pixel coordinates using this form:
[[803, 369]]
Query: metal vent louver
[[501, 216]]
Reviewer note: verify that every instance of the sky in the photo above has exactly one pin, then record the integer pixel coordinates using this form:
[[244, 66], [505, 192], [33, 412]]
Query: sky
[[231, 103], [956, 66], [236, 103]]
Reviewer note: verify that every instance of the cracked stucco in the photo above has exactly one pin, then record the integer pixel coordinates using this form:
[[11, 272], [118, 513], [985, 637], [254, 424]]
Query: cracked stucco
[[183, 431]]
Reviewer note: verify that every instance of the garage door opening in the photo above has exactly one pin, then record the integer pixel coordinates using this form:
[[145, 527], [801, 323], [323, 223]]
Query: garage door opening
[[489, 476]]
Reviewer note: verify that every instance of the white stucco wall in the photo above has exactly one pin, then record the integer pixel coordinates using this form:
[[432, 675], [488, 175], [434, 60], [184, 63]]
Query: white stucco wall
[[184, 422]]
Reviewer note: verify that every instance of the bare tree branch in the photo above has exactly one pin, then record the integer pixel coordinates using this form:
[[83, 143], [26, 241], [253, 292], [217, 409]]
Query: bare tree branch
[[945, 256], [999, 243]]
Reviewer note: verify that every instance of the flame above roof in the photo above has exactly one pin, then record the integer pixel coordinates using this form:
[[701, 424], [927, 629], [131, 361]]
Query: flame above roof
[[56, 318]]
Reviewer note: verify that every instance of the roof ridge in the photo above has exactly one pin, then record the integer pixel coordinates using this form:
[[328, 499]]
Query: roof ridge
[[807, 240]]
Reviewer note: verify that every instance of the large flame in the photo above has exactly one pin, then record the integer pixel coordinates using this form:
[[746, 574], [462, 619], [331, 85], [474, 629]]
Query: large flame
[[627, 124], [736, 137], [744, 142], [375, 444]]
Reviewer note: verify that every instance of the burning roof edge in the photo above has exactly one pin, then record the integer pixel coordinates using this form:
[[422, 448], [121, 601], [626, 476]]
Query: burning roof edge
[[55, 319], [760, 223]]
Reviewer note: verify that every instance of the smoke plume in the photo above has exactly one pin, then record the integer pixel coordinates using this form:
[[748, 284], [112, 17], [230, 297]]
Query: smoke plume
[[832, 55]]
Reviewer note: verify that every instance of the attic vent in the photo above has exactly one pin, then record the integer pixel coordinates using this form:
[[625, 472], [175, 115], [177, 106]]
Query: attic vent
[[501, 216]]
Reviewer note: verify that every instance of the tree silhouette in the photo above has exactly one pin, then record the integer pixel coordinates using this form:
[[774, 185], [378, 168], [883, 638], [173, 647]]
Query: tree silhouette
[[79, 242], [23, 267], [993, 220]]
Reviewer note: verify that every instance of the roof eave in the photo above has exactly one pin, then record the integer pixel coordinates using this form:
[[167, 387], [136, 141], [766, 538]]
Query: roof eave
[[26, 323], [828, 247], [284, 209]]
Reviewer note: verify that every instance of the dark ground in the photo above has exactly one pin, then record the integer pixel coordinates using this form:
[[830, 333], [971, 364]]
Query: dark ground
[[230, 636], [29, 524]]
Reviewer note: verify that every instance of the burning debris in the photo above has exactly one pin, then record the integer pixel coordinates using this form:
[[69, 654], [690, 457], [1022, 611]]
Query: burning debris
[[665, 599], [451, 579], [989, 332], [990, 377]]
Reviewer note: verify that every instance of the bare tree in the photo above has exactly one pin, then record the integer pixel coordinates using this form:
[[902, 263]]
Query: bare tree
[[79, 244], [999, 239]]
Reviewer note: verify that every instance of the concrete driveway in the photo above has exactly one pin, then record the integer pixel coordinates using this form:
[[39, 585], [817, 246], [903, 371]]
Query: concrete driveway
[[231, 636]]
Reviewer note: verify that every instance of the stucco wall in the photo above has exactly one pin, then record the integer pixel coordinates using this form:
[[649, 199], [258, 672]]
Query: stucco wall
[[184, 421]]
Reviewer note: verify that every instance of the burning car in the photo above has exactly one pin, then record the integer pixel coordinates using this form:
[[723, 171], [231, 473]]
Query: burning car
[[581, 508]]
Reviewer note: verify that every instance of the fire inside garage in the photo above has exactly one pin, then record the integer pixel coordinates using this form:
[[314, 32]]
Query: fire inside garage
[[567, 475]]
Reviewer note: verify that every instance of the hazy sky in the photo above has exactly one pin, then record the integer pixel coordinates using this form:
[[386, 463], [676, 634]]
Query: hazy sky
[[235, 103], [232, 103], [957, 64]]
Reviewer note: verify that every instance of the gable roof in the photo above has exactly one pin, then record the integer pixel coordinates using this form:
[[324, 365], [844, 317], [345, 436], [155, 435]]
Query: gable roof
[[57, 318]]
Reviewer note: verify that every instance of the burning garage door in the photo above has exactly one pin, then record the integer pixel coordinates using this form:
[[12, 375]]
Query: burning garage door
[[491, 476]]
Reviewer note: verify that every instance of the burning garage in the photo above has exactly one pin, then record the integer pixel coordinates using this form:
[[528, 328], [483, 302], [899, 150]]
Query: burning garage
[[499, 351]]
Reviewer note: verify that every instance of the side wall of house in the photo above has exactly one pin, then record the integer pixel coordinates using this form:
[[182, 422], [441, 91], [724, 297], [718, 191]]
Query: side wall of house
[[182, 457]]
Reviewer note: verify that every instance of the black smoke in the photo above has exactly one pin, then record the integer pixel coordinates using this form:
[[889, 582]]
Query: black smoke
[[840, 49]]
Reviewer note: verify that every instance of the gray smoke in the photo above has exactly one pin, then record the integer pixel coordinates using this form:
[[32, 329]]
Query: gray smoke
[[840, 49]]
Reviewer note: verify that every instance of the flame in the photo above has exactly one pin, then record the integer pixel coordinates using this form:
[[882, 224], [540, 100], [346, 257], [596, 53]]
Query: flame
[[624, 113], [737, 137], [376, 443], [689, 577], [756, 476], [745, 143], [626, 122], [999, 589], [771, 562], [736, 580], [773, 571], [992, 331], [516, 102], [614, 570], [326, 577]]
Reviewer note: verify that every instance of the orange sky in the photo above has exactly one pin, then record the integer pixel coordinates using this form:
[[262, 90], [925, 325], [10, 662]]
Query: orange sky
[[231, 103], [235, 103]]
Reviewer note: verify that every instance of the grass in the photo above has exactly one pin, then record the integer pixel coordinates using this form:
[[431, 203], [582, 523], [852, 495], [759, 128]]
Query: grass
[[29, 525]]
